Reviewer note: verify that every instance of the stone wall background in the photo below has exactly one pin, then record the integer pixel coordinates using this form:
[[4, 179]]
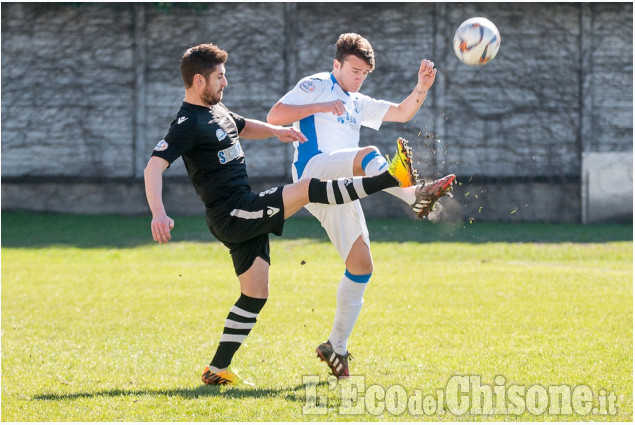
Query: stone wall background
[[88, 89]]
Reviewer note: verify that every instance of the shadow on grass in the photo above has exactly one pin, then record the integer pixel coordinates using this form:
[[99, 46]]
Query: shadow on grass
[[33, 230], [289, 394]]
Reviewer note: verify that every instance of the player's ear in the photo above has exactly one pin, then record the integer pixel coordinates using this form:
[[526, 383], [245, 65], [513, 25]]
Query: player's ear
[[336, 64], [199, 80]]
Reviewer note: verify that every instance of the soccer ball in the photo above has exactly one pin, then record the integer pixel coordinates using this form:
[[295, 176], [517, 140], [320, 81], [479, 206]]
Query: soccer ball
[[476, 41]]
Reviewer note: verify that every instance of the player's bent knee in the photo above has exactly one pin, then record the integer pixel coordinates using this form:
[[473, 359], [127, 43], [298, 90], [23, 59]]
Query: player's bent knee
[[360, 266], [295, 196], [363, 157], [368, 149]]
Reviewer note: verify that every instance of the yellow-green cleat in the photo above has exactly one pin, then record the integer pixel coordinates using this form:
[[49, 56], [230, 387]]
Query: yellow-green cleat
[[401, 165], [223, 377]]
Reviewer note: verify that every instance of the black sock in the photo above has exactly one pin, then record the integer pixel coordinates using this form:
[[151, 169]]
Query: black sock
[[345, 190], [379, 182], [240, 320]]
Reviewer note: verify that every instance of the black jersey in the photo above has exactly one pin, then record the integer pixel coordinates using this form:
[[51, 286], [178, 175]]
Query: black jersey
[[207, 139]]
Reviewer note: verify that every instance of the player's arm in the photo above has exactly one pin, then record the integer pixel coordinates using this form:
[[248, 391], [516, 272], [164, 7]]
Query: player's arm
[[407, 109], [255, 129], [283, 114], [153, 177]]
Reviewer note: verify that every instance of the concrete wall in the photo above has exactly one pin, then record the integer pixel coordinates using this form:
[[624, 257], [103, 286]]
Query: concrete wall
[[88, 90]]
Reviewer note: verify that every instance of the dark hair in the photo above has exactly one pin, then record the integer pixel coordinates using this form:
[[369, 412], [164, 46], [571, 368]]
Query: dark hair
[[202, 59], [354, 44]]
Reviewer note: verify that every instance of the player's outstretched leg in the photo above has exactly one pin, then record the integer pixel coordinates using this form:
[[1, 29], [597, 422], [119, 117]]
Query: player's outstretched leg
[[348, 189], [400, 173], [429, 193]]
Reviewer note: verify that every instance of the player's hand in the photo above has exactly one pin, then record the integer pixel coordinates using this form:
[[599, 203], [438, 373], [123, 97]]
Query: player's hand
[[426, 75], [161, 226], [289, 134], [336, 107]]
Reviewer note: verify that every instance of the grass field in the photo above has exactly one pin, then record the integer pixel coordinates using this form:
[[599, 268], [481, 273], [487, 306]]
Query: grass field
[[100, 324]]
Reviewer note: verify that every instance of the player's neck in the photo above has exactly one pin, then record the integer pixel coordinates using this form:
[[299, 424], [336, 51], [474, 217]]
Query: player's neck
[[194, 99], [334, 73]]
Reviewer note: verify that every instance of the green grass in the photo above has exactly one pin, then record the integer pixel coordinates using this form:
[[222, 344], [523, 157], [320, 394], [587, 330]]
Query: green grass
[[100, 324]]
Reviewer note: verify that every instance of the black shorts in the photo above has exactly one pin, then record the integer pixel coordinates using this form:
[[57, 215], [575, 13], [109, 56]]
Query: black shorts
[[245, 228]]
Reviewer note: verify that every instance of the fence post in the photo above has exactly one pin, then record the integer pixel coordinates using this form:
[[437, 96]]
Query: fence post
[[439, 51], [139, 96], [585, 127]]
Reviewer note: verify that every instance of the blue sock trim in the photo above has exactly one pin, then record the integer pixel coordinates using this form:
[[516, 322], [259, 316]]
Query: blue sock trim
[[358, 278], [369, 157]]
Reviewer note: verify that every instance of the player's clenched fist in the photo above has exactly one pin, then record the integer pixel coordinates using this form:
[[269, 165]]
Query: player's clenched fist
[[336, 107], [427, 74]]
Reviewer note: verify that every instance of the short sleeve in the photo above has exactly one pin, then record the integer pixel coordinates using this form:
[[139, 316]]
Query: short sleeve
[[373, 111], [306, 91], [238, 119], [181, 138]]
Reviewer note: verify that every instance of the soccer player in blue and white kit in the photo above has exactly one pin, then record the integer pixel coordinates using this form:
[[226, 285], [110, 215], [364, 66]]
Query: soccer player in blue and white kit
[[329, 110]]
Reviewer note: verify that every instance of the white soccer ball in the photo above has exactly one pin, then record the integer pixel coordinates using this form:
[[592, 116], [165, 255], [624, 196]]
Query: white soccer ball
[[476, 41]]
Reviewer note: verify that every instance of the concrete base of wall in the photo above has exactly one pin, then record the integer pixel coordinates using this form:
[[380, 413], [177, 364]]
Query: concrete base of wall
[[607, 187], [505, 202]]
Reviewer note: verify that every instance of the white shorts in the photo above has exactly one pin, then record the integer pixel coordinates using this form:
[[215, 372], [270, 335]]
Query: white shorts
[[344, 223]]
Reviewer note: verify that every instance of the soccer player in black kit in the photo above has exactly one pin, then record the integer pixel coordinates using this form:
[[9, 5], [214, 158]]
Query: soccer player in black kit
[[205, 134]]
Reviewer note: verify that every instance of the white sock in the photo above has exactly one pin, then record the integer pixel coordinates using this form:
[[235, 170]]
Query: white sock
[[406, 194], [350, 293], [214, 369], [375, 164]]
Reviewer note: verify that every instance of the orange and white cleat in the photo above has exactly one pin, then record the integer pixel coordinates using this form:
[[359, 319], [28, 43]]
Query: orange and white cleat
[[223, 377]]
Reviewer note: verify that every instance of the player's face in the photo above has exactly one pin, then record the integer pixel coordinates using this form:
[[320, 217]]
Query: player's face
[[350, 73], [212, 92]]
